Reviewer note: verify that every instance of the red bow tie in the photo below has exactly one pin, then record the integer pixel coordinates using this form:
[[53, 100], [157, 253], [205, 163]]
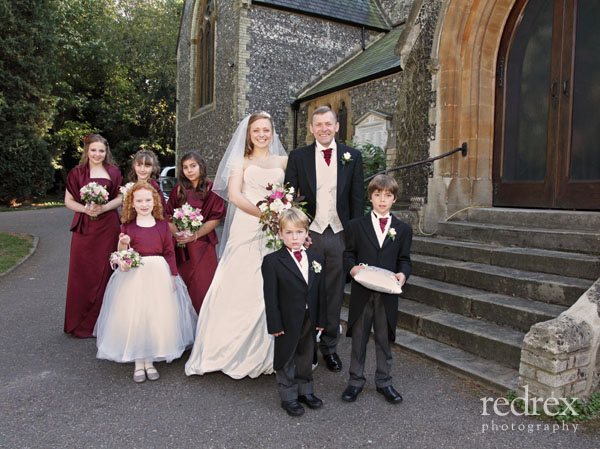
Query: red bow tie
[[297, 254]]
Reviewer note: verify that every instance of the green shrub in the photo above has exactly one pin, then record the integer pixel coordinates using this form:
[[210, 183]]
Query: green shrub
[[373, 162]]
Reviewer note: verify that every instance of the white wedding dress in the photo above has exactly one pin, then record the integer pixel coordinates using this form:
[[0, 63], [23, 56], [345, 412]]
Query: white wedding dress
[[231, 335]]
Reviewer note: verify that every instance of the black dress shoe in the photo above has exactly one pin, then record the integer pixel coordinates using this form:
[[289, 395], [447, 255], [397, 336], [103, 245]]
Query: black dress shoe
[[293, 408], [311, 400], [351, 393], [333, 362], [391, 395]]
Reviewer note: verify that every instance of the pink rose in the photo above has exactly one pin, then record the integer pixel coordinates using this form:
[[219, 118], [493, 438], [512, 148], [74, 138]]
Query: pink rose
[[276, 195]]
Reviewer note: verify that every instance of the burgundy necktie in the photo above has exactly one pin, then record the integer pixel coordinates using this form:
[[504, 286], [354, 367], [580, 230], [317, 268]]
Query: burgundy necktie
[[382, 223], [298, 256], [327, 155]]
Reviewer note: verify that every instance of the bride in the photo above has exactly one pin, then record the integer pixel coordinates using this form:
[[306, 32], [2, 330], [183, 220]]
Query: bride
[[231, 335]]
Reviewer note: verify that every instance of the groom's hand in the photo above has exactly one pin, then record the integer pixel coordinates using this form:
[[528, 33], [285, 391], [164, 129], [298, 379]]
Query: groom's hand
[[278, 334], [307, 242]]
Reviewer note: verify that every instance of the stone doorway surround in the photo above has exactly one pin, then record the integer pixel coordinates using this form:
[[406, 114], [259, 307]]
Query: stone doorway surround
[[464, 56]]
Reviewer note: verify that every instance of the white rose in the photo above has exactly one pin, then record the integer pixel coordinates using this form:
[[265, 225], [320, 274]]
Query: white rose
[[276, 205]]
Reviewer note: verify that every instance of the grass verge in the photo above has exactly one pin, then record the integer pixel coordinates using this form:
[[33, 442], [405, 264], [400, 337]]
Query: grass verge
[[13, 247]]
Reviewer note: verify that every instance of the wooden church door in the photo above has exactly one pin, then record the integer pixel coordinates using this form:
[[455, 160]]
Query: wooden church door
[[547, 122]]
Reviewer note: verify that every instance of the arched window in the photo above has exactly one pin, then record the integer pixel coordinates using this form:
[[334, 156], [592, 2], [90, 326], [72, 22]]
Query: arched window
[[205, 41]]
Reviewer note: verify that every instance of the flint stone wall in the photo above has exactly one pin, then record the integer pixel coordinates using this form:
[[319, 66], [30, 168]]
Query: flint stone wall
[[561, 357]]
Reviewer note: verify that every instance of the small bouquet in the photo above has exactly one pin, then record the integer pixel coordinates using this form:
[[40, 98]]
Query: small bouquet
[[125, 259], [93, 193], [280, 198], [188, 220], [126, 189]]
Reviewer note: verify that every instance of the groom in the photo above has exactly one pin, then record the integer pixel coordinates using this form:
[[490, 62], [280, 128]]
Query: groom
[[330, 177]]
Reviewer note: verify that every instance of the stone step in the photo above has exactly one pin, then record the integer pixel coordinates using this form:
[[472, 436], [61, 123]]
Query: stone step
[[543, 238], [486, 372], [579, 265], [550, 288], [484, 339], [514, 312], [534, 218]]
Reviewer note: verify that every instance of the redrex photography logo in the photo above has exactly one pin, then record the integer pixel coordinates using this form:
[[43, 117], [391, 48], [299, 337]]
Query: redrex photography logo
[[528, 406]]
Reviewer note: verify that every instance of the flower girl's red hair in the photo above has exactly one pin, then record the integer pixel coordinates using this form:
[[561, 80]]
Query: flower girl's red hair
[[128, 213]]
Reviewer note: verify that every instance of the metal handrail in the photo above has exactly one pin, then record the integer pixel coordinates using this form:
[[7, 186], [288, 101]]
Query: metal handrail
[[463, 149]]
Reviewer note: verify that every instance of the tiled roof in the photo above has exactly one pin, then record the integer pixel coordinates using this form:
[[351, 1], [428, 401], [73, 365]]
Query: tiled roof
[[356, 12], [376, 61]]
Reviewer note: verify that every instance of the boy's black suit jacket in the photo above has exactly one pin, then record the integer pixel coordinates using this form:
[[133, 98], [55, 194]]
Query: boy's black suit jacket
[[362, 246], [301, 173], [286, 296]]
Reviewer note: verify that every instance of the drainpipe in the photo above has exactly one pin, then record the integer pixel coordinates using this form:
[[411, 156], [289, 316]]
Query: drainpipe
[[295, 107], [364, 38]]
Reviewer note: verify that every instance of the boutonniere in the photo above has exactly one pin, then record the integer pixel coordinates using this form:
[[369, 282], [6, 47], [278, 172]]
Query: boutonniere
[[392, 233], [316, 267], [346, 157]]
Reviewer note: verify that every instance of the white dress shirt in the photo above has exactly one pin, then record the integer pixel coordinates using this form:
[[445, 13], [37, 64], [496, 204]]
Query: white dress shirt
[[303, 264], [375, 219]]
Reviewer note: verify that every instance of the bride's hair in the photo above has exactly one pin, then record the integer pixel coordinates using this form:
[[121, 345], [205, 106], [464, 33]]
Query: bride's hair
[[254, 117]]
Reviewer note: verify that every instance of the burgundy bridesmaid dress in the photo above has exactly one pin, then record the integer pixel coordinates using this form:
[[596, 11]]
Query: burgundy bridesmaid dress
[[91, 245], [197, 262]]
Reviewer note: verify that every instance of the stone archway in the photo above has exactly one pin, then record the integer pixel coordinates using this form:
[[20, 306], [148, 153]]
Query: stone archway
[[465, 47]]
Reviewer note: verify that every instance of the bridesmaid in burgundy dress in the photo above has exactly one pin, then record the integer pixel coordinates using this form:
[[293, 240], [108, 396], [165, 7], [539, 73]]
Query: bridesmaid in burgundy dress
[[197, 261], [145, 167], [93, 239]]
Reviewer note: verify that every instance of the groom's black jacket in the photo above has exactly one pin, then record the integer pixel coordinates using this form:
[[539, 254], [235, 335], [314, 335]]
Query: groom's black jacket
[[286, 296], [301, 173]]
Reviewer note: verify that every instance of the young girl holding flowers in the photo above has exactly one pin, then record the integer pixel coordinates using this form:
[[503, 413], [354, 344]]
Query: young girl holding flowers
[[145, 167], [95, 230], [147, 315], [197, 260]]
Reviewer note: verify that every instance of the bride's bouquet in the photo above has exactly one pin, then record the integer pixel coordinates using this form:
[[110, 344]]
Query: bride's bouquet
[[125, 259], [188, 220], [93, 193], [279, 198]]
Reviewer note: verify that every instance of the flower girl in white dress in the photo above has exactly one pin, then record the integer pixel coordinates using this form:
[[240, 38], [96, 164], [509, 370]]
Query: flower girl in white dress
[[232, 332], [147, 314]]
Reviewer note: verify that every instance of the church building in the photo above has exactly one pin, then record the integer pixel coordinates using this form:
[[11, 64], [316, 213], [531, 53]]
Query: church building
[[515, 219]]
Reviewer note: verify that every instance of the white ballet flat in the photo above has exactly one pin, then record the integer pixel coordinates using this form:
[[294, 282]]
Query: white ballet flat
[[152, 373], [139, 375]]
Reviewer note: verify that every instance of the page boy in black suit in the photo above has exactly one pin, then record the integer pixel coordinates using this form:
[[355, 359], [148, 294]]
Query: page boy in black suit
[[377, 239], [295, 307]]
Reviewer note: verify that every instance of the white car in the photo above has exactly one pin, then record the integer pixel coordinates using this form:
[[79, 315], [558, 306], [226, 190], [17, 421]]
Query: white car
[[167, 180]]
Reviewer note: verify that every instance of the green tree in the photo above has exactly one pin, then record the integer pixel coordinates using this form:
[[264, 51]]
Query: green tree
[[27, 106], [118, 76], [69, 68]]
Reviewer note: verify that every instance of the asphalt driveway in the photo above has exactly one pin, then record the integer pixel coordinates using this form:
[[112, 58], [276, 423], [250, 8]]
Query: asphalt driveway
[[54, 393]]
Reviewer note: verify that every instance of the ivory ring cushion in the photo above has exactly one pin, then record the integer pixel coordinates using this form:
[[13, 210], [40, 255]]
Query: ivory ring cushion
[[378, 279]]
